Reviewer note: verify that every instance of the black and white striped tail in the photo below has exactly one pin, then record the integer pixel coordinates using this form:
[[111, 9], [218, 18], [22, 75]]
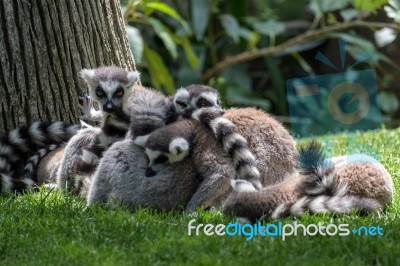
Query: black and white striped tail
[[233, 143], [326, 204], [16, 146], [29, 171], [319, 175]]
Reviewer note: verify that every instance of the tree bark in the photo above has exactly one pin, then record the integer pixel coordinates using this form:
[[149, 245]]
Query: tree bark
[[43, 46]]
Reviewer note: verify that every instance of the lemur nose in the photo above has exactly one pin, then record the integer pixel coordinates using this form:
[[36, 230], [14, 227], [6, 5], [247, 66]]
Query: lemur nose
[[109, 108], [150, 172]]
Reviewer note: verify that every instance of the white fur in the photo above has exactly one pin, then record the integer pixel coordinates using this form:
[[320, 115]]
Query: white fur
[[179, 149], [209, 96], [43, 152], [242, 154], [278, 211], [317, 204], [15, 138], [141, 140], [248, 169], [84, 124], [89, 157], [37, 135], [196, 114], [231, 139], [28, 167], [6, 183], [3, 163], [341, 189], [28, 182], [133, 77], [109, 86], [5, 150], [152, 154], [87, 74], [183, 96], [56, 130], [298, 208], [217, 122], [240, 185]]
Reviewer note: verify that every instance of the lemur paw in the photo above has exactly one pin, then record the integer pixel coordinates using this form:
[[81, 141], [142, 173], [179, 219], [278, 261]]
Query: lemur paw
[[85, 107], [240, 185]]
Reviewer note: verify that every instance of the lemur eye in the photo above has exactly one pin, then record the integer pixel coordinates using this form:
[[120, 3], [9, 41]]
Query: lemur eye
[[161, 159], [203, 103], [181, 103], [119, 92], [99, 92]]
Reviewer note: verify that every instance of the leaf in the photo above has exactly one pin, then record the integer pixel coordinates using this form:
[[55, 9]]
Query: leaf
[[200, 10], [348, 14], [239, 88], [388, 102], [253, 40], [164, 35], [322, 6], [152, 6], [165, 8], [135, 42], [160, 77], [270, 27], [231, 26], [369, 5], [187, 48]]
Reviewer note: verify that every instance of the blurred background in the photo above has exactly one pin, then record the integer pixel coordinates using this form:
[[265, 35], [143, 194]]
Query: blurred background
[[248, 49]]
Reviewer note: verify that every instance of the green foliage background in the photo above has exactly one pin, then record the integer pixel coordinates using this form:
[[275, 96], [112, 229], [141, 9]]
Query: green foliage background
[[176, 42]]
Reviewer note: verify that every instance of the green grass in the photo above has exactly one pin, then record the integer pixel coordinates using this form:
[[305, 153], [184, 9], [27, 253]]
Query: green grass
[[51, 228]]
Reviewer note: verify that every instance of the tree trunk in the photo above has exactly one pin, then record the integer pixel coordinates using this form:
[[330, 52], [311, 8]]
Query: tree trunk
[[43, 46]]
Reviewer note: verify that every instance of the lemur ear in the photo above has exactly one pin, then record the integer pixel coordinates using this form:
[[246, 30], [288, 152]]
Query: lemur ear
[[141, 140], [181, 99], [179, 146], [87, 74], [133, 77]]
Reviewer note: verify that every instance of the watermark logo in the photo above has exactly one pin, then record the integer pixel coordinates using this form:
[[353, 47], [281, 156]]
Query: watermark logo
[[343, 101], [249, 231]]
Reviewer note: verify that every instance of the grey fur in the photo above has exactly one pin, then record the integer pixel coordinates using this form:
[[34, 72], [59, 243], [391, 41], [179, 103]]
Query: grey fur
[[104, 83], [268, 140], [149, 110], [67, 177], [203, 104], [120, 178], [333, 186]]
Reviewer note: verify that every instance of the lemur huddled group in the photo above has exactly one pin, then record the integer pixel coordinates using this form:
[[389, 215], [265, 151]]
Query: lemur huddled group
[[186, 151]]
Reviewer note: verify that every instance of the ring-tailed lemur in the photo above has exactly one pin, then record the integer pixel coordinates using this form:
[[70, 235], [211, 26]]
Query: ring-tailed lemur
[[110, 87], [203, 104], [19, 143], [268, 141], [148, 110], [200, 102], [320, 186]]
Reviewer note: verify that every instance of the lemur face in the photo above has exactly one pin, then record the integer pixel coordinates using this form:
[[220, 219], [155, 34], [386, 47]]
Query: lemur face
[[160, 155], [110, 87], [188, 99]]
